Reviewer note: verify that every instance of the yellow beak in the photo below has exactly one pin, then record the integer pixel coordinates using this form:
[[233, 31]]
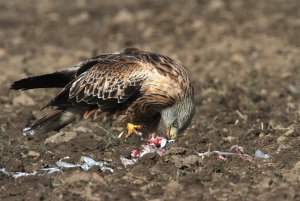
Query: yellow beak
[[171, 133]]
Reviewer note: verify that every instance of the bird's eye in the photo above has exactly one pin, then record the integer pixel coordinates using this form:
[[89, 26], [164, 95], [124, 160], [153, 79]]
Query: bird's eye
[[175, 124]]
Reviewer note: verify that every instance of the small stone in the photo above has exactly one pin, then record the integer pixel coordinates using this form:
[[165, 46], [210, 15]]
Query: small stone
[[263, 92], [281, 138], [289, 132], [230, 138], [33, 153], [238, 59], [293, 89], [261, 135]]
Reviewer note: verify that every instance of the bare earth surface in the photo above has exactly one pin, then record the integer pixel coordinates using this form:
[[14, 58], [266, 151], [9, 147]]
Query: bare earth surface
[[244, 60]]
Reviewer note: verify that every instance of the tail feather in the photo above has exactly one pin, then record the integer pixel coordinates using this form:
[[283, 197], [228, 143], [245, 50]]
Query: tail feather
[[53, 80], [53, 121]]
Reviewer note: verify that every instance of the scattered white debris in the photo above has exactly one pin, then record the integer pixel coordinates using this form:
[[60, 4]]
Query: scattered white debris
[[127, 161], [49, 170], [89, 163], [120, 135], [27, 131], [154, 144], [261, 155], [25, 174], [239, 154], [224, 155], [86, 163]]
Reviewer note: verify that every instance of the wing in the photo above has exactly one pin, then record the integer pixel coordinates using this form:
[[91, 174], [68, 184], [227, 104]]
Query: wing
[[109, 83], [113, 81]]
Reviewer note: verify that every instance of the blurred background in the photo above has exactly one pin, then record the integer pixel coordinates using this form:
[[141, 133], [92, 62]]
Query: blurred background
[[201, 34], [243, 58]]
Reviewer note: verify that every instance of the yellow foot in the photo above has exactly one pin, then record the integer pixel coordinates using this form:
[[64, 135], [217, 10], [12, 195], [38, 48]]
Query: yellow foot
[[132, 129]]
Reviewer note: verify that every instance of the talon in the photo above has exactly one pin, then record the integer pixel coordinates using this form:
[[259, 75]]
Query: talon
[[132, 129]]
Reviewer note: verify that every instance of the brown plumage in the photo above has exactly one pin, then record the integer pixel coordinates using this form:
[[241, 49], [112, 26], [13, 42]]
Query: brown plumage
[[132, 86]]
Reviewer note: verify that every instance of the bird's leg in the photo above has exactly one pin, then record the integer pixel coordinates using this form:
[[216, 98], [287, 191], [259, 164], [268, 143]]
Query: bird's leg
[[132, 129]]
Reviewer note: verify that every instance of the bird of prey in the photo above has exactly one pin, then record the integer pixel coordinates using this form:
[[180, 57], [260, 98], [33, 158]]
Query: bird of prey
[[136, 87]]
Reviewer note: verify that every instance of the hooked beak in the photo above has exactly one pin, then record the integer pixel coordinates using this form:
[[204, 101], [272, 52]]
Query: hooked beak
[[171, 133]]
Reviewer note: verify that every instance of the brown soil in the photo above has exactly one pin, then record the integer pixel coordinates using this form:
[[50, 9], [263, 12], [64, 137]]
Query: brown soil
[[243, 57]]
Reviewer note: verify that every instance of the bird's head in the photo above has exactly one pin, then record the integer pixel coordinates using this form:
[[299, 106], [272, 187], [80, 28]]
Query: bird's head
[[178, 117]]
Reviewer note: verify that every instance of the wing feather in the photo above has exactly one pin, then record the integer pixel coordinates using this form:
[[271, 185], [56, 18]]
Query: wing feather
[[109, 83]]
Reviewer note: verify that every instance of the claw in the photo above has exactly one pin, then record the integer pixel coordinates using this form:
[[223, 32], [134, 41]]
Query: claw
[[132, 129]]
